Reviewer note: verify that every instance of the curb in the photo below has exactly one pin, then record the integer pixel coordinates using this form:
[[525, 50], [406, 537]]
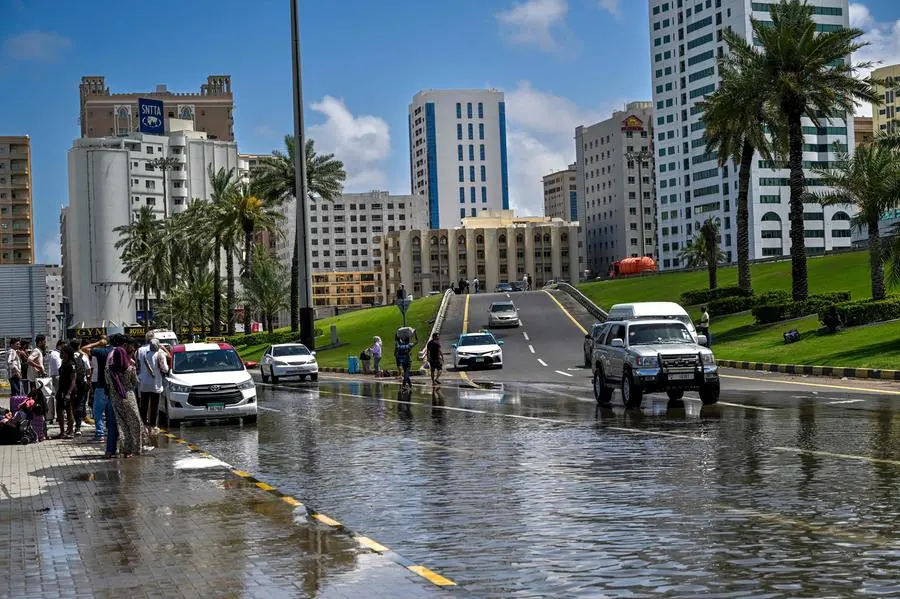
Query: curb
[[364, 541], [825, 371], [390, 373]]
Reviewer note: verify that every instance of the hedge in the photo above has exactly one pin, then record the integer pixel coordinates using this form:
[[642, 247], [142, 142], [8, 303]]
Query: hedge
[[865, 311], [778, 311], [705, 296], [260, 338], [731, 305]]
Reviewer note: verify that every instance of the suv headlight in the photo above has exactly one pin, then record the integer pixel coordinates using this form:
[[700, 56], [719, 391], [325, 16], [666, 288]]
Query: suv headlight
[[647, 362], [248, 384], [176, 388], [708, 359]]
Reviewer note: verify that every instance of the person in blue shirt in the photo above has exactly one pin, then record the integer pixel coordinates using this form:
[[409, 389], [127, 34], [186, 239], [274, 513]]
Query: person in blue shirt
[[403, 353]]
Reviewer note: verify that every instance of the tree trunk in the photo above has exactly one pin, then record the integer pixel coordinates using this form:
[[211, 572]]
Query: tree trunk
[[229, 291], [147, 306], [743, 219], [217, 288], [800, 283], [295, 287], [269, 323], [713, 270], [876, 260], [245, 277]]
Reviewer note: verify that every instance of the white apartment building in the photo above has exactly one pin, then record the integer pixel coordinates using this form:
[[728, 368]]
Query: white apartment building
[[615, 178], [53, 298], [561, 198], [686, 40], [457, 153], [110, 179]]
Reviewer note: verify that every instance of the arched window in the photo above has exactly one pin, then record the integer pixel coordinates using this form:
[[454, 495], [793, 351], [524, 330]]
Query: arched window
[[461, 240], [520, 238], [434, 241], [840, 216], [415, 240], [546, 238], [770, 217], [564, 238], [502, 239], [480, 239]]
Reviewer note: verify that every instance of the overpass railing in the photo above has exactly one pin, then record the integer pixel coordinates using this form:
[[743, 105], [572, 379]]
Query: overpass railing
[[595, 310], [438, 320]]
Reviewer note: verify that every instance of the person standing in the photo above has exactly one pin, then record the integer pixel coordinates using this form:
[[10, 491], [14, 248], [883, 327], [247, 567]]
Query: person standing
[[139, 362], [25, 381], [475, 284], [404, 359], [153, 365], [36, 361], [82, 383], [54, 362], [376, 354], [435, 358], [703, 329], [121, 380], [65, 394], [102, 407], [14, 368]]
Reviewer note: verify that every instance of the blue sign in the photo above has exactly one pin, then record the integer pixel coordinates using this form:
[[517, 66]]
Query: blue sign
[[150, 113]]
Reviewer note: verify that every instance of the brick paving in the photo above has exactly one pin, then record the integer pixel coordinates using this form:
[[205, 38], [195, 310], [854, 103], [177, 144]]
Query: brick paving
[[168, 524]]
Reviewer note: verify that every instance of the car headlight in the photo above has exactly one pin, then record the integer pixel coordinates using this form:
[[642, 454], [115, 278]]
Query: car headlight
[[496, 353], [708, 359], [248, 384], [647, 362], [176, 388]]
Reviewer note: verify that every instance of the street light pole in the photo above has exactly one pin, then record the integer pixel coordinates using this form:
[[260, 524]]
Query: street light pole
[[307, 312]]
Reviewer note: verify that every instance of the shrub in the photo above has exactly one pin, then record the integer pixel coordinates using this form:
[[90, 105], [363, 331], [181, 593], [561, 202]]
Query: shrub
[[866, 311], [778, 296], [775, 312], [259, 338], [730, 305], [705, 296]]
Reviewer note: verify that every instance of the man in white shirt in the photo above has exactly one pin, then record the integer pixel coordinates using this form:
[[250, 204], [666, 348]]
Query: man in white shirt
[[36, 361], [152, 366], [54, 362], [14, 368]]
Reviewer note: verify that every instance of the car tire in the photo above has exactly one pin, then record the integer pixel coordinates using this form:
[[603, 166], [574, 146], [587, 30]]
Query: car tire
[[262, 373], [709, 394], [250, 419], [632, 395], [675, 395], [602, 393]]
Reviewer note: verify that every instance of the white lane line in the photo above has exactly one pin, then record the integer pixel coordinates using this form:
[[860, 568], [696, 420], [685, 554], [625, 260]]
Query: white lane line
[[574, 369], [531, 348], [526, 336], [842, 456], [562, 372], [507, 295], [542, 362], [844, 401], [267, 409], [745, 406]]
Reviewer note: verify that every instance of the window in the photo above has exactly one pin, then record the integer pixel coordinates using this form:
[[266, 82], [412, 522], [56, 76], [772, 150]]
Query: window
[[840, 232], [469, 110], [459, 131], [776, 234], [481, 151], [462, 212], [459, 151], [483, 173], [149, 149], [462, 194], [471, 152], [484, 195], [472, 174], [703, 39], [459, 110], [480, 110], [480, 130], [472, 194]]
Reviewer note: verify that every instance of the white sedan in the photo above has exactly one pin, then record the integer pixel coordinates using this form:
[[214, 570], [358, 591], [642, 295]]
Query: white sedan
[[288, 359], [477, 349]]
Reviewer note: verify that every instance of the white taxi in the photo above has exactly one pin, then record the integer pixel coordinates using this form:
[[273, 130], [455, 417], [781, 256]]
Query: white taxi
[[477, 349], [288, 359], [208, 381]]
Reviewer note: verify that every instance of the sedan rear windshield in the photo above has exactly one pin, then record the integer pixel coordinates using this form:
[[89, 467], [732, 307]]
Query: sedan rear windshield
[[503, 308], [477, 340], [649, 334], [211, 360], [290, 350]]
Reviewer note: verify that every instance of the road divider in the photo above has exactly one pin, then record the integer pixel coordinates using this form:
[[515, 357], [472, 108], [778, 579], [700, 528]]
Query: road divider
[[823, 371]]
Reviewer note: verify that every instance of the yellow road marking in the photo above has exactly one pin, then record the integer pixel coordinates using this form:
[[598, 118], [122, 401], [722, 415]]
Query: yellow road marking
[[843, 456], [373, 545], [265, 487], [326, 520], [432, 577], [241, 473], [821, 385], [291, 501], [566, 312], [465, 327]]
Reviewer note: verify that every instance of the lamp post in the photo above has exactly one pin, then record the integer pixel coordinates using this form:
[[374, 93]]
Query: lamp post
[[640, 158], [307, 312]]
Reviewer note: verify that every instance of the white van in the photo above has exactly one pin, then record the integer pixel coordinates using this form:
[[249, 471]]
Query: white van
[[652, 311], [165, 337]]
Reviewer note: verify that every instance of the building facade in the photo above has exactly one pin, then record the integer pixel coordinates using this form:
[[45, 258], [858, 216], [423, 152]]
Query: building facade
[[686, 40], [23, 305], [104, 114], [561, 194], [457, 153], [615, 162], [886, 117], [248, 164], [863, 130], [110, 180], [493, 247], [53, 300], [16, 212]]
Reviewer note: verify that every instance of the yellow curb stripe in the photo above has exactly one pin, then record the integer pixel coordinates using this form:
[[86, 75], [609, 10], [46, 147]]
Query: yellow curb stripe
[[265, 487], [843, 456], [291, 501], [370, 544], [432, 577], [465, 326], [326, 520], [566, 312], [241, 473]]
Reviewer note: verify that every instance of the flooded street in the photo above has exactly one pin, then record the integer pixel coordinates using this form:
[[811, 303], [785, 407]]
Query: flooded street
[[536, 493]]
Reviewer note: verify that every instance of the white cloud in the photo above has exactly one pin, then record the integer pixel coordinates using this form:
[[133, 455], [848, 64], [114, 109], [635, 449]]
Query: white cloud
[[51, 251], [610, 5], [860, 17], [883, 39], [535, 22], [361, 142], [38, 46]]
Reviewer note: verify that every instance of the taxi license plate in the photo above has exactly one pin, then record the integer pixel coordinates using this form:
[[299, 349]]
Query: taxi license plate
[[680, 377], [215, 407]]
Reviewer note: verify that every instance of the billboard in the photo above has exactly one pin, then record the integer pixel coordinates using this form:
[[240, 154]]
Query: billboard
[[150, 113]]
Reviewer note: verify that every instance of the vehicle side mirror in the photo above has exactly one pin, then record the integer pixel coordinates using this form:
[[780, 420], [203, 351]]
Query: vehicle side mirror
[[701, 339], [617, 343], [454, 346], [312, 353], [500, 342]]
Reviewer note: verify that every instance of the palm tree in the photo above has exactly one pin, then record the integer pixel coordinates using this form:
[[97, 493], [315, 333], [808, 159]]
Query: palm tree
[[807, 74], [266, 289], [276, 180], [705, 250], [141, 248], [222, 183], [870, 181], [736, 118], [245, 213]]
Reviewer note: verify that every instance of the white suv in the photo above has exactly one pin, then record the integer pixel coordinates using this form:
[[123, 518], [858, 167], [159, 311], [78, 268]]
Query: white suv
[[208, 381]]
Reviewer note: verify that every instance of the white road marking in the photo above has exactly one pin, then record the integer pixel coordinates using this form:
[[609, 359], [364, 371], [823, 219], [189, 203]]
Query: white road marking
[[267, 409], [531, 347], [843, 456], [845, 401], [507, 295], [562, 372], [746, 407], [526, 336], [542, 362], [573, 369]]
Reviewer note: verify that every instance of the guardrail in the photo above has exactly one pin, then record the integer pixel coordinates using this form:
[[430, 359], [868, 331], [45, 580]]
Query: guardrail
[[438, 320], [595, 310]]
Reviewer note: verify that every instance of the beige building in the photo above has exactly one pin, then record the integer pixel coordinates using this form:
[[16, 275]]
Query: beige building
[[16, 226], [886, 117], [561, 194], [346, 289], [863, 130], [496, 247], [104, 114]]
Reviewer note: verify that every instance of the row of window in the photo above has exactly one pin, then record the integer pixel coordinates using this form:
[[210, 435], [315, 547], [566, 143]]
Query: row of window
[[481, 152], [343, 264], [462, 174], [469, 110], [471, 130], [817, 10], [472, 194], [474, 212]]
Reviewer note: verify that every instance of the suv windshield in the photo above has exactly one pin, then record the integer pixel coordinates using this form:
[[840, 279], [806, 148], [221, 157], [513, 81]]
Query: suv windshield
[[503, 308], [477, 340], [647, 334], [290, 350], [211, 360]]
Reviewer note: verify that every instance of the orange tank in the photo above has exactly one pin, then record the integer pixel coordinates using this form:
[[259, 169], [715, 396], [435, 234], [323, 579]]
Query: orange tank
[[633, 266]]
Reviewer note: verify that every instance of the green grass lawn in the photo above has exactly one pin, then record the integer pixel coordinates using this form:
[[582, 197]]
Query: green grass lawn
[[358, 328], [737, 337]]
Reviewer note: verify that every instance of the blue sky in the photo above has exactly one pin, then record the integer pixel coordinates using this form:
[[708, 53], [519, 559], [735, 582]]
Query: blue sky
[[561, 63]]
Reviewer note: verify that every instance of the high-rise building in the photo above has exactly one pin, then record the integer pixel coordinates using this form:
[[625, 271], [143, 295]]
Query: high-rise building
[[886, 117], [23, 303], [16, 227], [110, 180], [53, 298], [863, 130], [561, 194], [104, 114], [457, 153], [248, 164], [686, 39], [615, 177]]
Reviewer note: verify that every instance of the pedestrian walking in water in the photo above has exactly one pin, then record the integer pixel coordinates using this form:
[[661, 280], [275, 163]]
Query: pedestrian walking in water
[[121, 379], [435, 358]]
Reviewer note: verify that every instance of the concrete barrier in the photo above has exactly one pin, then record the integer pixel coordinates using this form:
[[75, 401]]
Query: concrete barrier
[[823, 371], [595, 310], [438, 320]]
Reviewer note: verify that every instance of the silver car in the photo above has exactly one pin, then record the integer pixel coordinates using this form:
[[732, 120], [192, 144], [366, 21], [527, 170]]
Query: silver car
[[652, 356], [503, 314]]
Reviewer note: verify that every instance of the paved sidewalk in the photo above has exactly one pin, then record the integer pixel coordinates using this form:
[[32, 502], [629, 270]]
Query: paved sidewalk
[[172, 523]]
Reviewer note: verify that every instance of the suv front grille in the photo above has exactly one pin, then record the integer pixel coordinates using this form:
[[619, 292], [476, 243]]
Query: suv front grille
[[680, 361], [203, 395]]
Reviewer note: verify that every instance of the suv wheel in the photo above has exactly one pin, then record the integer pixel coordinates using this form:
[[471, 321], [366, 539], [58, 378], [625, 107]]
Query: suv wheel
[[709, 394], [587, 360], [631, 393], [602, 393]]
